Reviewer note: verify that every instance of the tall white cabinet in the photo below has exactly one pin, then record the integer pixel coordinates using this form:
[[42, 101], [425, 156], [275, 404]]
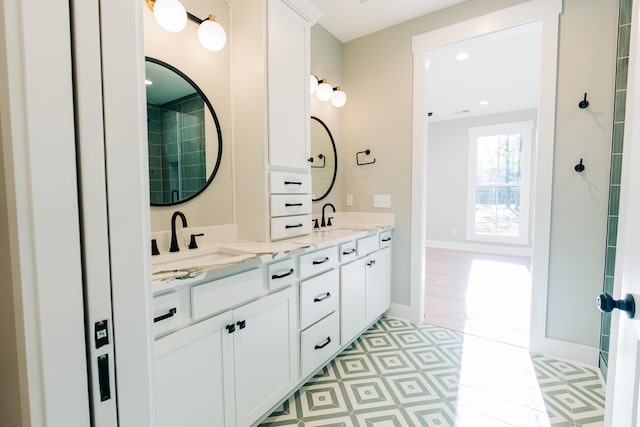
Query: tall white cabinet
[[270, 55]]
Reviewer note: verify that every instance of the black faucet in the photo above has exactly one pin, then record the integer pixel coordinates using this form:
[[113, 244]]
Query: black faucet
[[174, 241], [324, 223]]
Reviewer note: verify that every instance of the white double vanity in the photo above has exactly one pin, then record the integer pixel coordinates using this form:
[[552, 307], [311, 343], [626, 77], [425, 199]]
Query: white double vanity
[[237, 335], [262, 304]]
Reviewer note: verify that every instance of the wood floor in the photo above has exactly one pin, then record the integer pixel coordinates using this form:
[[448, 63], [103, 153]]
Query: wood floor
[[480, 294]]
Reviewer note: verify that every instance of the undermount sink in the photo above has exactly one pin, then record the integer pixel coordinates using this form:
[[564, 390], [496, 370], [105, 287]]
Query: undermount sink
[[193, 259]]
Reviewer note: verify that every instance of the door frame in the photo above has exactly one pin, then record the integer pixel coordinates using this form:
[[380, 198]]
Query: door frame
[[619, 404], [547, 12]]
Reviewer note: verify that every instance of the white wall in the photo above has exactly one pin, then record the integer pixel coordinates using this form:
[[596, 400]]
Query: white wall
[[447, 173], [378, 72], [326, 62], [587, 60], [211, 72]]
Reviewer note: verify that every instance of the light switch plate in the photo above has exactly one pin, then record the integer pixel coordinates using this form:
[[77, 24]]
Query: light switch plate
[[349, 199], [382, 200]]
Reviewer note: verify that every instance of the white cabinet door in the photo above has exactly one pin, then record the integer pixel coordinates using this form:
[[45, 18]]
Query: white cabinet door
[[378, 272], [288, 87], [193, 370], [352, 297], [265, 354]]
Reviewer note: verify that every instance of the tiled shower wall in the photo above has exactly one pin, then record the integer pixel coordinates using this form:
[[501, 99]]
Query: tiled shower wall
[[177, 159], [624, 32]]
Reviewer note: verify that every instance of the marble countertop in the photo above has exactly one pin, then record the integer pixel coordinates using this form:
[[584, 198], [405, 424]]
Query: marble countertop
[[228, 257]]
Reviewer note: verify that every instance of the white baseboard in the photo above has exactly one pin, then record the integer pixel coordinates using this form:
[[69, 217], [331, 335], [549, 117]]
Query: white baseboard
[[569, 351], [404, 312], [480, 247]]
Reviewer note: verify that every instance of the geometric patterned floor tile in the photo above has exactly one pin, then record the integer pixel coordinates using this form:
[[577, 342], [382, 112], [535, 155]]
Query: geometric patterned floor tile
[[402, 374]]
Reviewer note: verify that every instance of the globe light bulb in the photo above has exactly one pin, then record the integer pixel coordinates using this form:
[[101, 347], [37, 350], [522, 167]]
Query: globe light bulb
[[170, 15], [313, 84], [324, 91], [212, 35], [338, 98]]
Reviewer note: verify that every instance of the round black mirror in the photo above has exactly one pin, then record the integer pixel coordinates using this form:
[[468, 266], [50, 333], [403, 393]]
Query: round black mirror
[[183, 136], [324, 159]]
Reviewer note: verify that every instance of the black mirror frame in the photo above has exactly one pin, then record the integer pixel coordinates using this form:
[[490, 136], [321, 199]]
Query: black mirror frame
[[215, 119], [335, 156]]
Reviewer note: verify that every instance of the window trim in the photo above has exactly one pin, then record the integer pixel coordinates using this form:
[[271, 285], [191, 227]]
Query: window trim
[[526, 129]]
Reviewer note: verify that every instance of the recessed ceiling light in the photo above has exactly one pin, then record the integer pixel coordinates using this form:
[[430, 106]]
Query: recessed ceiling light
[[484, 102], [148, 82], [462, 56]]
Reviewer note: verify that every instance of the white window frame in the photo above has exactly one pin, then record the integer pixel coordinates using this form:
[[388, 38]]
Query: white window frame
[[526, 129]]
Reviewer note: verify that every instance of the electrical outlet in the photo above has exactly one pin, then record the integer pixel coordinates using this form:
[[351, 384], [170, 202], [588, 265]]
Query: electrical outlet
[[382, 200], [349, 199]]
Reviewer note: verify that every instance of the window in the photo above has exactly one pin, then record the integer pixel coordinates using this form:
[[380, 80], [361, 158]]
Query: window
[[499, 176]]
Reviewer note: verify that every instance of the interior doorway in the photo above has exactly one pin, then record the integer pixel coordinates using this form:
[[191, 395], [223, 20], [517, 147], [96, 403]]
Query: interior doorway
[[547, 14], [481, 98]]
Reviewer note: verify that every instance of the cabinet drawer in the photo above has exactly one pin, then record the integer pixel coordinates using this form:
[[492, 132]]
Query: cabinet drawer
[[293, 204], [319, 343], [290, 226], [221, 294], [168, 312], [289, 182], [319, 296], [368, 244], [281, 273], [348, 251], [318, 261], [385, 238]]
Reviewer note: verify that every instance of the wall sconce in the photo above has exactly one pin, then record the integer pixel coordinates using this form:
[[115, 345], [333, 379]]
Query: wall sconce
[[172, 16], [325, 92]]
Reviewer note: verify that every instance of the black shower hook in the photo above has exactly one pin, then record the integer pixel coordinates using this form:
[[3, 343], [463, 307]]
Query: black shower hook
[[584, 103], [579, 167], [366, 152]]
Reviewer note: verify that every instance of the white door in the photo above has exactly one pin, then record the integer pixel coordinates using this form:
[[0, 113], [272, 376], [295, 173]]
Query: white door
[[623, 387], [108, 70]]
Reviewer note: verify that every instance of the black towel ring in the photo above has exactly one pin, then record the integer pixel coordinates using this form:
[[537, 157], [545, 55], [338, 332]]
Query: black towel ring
[[366, 153]]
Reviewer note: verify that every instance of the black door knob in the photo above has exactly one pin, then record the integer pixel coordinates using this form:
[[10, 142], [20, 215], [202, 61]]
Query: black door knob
[[607, 304]]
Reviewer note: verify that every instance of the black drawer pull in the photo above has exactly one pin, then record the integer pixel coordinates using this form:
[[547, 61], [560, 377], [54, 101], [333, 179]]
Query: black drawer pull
[[321, 261], [324, 297], [242, 324], [318, 347], [349, 252], [293, 226], [371, 263], [171, 313], [231, 328], [292, 183], [280, 276], [289, 205], [386, 239]]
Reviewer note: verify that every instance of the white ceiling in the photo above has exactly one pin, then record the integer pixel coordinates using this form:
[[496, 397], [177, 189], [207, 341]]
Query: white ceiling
[[503, 68], [350, 19]]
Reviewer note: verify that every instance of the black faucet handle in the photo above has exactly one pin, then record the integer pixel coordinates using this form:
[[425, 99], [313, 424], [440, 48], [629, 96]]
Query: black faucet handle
[[315, 223], [329, 221], [192, 243], [154, 247]]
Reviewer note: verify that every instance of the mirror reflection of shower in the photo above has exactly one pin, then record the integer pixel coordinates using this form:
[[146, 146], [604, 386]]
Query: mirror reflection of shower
[[177, 159]]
